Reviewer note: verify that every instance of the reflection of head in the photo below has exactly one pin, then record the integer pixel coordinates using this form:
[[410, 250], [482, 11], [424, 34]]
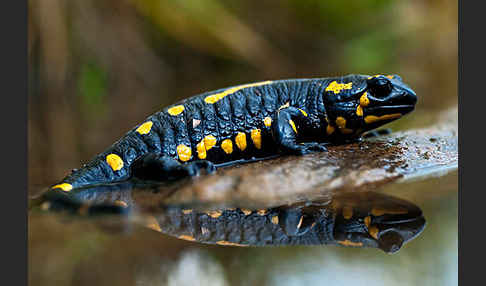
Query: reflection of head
[[375, 220]]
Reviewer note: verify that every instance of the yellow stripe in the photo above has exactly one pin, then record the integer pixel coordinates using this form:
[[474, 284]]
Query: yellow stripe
[[209, 142], [145, 128], [240, 140], [184, 152], [329, 129], [64, 186], [372, 118], [227, 146], [256, 137], [291, 122], [222, 242], [218, 96], [176, 110], [267, 121], [338, 87], [201, 150], [341, 122], [115, 162], [363, 100]]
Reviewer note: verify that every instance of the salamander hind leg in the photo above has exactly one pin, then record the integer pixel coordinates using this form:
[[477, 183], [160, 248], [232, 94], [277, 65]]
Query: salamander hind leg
[[286, 133], [163, 168]]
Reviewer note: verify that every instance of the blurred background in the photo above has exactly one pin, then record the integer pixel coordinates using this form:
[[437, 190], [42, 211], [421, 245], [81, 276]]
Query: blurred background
[[99, 67]]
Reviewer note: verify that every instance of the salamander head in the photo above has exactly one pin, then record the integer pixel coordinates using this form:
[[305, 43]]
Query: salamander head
[[358, 103]]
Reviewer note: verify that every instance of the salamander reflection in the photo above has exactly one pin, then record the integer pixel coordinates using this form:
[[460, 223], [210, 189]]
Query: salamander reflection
[[353, 219], [365, 219]]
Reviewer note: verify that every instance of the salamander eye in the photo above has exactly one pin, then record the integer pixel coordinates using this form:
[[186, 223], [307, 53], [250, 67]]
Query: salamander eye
[[380, 86]]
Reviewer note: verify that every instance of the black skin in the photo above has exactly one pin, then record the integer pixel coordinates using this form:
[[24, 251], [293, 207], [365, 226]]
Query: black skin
[[153, 156]]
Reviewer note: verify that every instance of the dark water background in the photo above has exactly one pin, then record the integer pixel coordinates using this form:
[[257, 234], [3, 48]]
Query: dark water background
[[98, 68]]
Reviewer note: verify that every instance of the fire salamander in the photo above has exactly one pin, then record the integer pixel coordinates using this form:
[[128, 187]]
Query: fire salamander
[[246, 122]]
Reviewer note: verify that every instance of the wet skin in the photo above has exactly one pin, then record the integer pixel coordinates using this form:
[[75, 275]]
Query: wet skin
[[247, 122]]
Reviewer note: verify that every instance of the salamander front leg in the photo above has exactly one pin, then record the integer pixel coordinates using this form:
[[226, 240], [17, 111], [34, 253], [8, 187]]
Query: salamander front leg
[[163, 168], [286, 133]]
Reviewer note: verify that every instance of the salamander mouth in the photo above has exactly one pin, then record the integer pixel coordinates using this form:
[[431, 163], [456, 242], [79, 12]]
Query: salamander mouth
[[389, 109]]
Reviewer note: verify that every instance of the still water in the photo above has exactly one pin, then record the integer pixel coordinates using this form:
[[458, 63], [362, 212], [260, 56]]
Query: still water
[[181, 245]]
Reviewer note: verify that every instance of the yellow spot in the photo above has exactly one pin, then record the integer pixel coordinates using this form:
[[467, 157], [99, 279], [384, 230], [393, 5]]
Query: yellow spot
[[223, 242], [291, 122], [186, 237], [256, 137], [145, 127], [347, 212], [214, 214], [218, 96], [186, 211], [372, 118], [359, 110], [373, 231], [262, 212], [209, 142], [64, 186], [367, 221], [115, 162], [364, 100], [300, 222], [380, 211], [267, 121], [341, 122], [201, 150], [246, 211], [275, 219], [176, 110], [227, 146], [329, 129], [390, 76], [240, 140], [284, 106], [350, 243], [303, 112], [151, 222], [120, 203], [338, 87], [346, 130], [184, 152]]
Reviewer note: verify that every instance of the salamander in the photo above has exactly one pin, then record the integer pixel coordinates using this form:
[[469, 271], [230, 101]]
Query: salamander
[[247, 122]]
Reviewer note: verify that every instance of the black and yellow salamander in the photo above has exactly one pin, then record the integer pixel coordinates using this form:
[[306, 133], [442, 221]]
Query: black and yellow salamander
[[246, 122]]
